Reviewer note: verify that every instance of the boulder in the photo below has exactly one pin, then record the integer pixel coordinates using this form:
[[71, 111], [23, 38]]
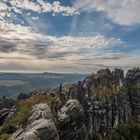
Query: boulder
[[40, 125], [71, 121], [72, 111], [40, 111], [41, 129]]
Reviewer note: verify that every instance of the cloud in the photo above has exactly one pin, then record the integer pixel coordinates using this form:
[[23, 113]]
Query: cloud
[[42, 7], [35, 18], [11, 10], [25, 4], [6, 47], [3, 10], [122, 12], [23, 48], [20, 45], [28, 41], [56, 7]]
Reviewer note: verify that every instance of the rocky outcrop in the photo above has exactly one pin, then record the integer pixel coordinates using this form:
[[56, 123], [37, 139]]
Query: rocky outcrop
[[71, 121], [102, 101], [6, 103], [3, 114], [133, 89], [40, 125], [106, 100], [105, 77], [109, 112], [40, 111], [41, 129], [22, 96], [118, 77]]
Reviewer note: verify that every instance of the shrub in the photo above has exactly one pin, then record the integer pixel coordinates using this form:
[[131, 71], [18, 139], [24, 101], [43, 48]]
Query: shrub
[[127, 131], [5, 136], [19, 118], [36, 99]]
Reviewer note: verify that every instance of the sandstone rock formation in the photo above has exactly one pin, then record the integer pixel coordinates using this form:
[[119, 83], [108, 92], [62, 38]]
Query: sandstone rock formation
[[133, 89], [71, 121], [101, 101], [40, 125]]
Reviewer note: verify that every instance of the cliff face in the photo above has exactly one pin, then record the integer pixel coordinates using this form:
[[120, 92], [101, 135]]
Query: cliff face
[[133, 89], [107, 98], [71, 121], [100, 102]]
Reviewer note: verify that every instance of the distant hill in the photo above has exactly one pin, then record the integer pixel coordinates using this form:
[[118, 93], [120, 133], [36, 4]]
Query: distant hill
[[12, 84]]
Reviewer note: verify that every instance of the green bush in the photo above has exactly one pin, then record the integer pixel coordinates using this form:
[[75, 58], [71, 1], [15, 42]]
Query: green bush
[[127, 131], [5, 136], [19, 118]]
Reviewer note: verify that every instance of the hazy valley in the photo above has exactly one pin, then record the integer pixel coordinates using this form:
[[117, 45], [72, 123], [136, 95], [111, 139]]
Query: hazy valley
[[12, 84]]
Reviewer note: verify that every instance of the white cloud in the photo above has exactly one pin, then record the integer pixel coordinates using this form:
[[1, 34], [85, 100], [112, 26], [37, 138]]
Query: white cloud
[[123, 12], [35, 18], [26, 49], [14, 32], [42, 7], [17, 6], [56, 7], [25, 4], [3, 10]]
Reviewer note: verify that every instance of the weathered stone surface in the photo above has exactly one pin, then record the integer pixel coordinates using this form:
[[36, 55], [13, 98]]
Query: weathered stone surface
[[3, 114], [40, 125], [71, 121], [105, 109], [40, 111], [41, 129], [72, 108], [133, 88]]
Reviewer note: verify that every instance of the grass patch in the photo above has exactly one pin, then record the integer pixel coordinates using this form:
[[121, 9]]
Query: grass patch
[[5, 136], [23, 112]]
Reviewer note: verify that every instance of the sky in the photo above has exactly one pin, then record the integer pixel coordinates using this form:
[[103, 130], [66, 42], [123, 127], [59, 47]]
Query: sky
[[72, 36]]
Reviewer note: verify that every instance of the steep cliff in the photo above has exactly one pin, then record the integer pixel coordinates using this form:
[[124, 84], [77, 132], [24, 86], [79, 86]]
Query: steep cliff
[[133, 89]]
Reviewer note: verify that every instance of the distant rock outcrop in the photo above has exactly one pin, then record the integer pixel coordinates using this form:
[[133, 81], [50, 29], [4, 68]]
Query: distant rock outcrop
[[105, 77]]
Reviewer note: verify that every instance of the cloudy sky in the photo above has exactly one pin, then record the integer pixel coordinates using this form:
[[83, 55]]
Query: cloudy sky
[[69, 35]]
